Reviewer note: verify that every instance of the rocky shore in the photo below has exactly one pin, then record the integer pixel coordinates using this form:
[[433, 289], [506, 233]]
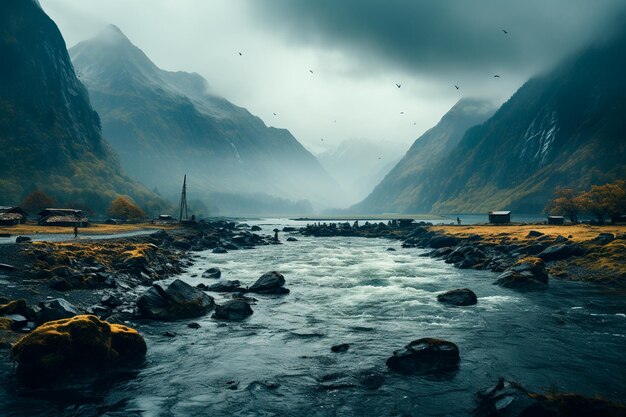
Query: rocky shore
[[525, 255]]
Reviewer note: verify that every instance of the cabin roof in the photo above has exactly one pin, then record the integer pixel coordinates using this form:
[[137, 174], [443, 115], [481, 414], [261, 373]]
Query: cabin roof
[[499, 213]]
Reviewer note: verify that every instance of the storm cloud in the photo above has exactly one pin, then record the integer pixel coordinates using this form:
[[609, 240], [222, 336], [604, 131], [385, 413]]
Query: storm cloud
[[448, 37]]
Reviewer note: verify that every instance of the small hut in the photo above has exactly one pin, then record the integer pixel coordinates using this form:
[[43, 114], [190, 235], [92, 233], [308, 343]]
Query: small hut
[[11, 215], [499, 217], [62, 217], [556, 220], [404, 223]]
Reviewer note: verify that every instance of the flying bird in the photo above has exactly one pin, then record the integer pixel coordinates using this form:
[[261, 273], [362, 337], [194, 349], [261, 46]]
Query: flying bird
[[414, 123], [322, 139], [496, 76], [398, 85], [505, 32], [240, 54], [274, 114], [401, 112], [379, 157], [311, 71], [456, 86]]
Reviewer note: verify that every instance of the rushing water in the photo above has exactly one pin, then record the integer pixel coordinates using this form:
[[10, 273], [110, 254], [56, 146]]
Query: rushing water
[[571, 337]]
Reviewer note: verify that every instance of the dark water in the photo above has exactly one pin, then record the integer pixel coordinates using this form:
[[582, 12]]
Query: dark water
[[571, 337]]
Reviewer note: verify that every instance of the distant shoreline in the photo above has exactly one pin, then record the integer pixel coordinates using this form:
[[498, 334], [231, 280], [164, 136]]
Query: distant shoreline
[[372, 217]]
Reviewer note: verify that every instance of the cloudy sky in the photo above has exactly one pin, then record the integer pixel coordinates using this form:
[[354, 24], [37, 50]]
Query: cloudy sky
[[358, 51]]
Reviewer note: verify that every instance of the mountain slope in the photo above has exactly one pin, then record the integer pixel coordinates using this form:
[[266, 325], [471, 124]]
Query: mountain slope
[[49, 134], [359, 164], [165, 124], [566, 128], [396, 192]]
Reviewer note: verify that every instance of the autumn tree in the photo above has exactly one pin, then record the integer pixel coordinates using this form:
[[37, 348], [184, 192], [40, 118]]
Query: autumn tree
[[608, 200], [37, 201], [566, 203], [124, 208]]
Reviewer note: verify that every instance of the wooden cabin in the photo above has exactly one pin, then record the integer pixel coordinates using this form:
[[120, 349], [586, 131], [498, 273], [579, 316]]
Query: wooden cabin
[[10, 215], [556, 220], [499, 217], [62, 217]]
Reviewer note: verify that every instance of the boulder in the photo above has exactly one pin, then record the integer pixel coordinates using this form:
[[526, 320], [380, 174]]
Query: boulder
[[219, 249], [178, 301], [270, 283], [292, 239], [256, 228], [56, 309], [226, 286], [510, 399], [234, 310], [558, 252], [212, 273], [340, 348], [458, 297], [534, 233], [426, 355], [15, 307], [390, 250], [78, 345], [22, 239], [526, 274], [442, 241], [181, 244], [604, 238]]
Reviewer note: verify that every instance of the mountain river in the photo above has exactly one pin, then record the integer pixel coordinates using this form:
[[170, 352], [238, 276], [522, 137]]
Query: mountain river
[[278, 362]]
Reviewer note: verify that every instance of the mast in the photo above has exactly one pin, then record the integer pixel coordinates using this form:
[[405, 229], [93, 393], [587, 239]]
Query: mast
[[183, 202]]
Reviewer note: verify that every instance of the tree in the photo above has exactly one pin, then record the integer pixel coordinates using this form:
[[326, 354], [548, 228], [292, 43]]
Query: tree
[[37, 201], [608, 200], [566, 203], [124, 208]]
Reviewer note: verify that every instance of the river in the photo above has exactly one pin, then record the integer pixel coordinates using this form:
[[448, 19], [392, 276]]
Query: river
[[278, 362]]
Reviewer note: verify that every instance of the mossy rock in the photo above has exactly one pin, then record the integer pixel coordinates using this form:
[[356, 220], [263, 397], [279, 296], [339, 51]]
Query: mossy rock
[[67, 347]]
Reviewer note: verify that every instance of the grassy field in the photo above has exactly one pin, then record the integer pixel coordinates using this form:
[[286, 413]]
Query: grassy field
[[578, 232], [94, 229]]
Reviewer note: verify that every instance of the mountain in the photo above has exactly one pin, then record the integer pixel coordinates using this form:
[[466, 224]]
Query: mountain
[[166, 124], [398, 190], [359, 164], [49, 133]]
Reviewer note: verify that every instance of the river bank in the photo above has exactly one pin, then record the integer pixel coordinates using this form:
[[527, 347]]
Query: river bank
[[574, 252]]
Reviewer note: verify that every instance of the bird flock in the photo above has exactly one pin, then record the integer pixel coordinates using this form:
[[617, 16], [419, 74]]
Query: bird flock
[[399, 85]]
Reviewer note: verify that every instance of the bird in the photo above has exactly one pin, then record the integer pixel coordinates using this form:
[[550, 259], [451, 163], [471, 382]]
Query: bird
[[322, 139], [240, 54], [401, 112], [414, 123], [505, 32], [456, 86], [496, 76], [274, 114], [379, 157], [398, 85], [311, 71]]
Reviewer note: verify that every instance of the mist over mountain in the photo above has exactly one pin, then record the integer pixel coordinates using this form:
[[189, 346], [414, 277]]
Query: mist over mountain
[[49, 133], [565, 128], [397, 192], [359, 164], [167, 124]]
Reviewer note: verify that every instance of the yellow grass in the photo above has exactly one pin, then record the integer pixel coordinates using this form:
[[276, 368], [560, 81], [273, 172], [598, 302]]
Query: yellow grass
[[579, 232], [603, 262], [94, 229]]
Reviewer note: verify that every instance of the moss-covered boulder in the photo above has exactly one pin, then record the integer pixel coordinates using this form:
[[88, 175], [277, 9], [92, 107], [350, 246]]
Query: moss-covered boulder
[[527, 274], [75, 346]]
